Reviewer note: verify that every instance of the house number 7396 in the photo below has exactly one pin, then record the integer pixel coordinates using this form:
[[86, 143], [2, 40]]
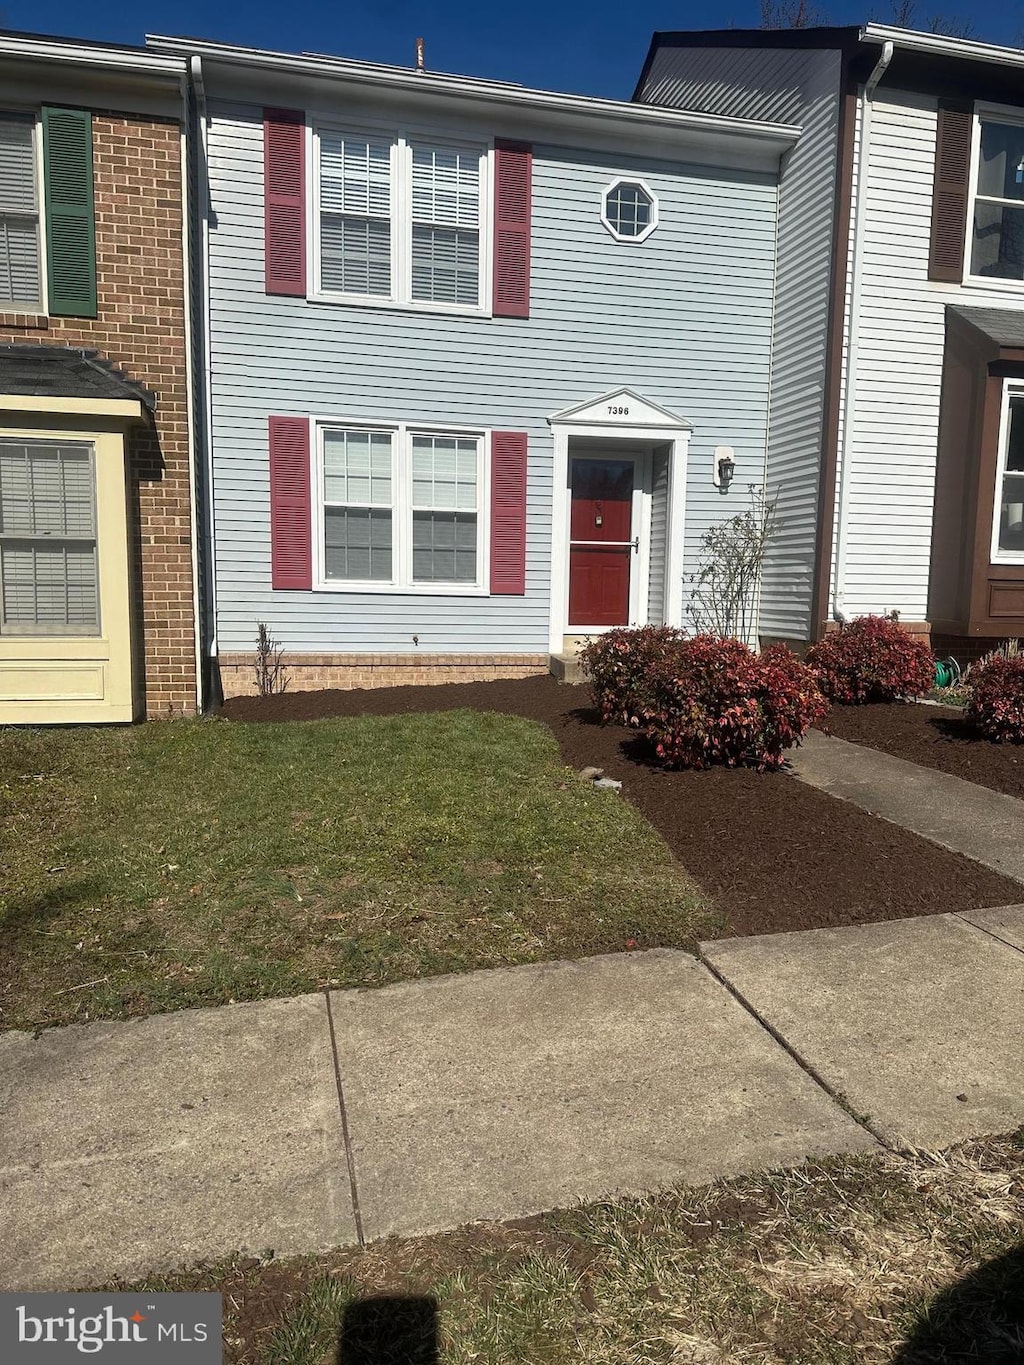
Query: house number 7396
[[618, 411]]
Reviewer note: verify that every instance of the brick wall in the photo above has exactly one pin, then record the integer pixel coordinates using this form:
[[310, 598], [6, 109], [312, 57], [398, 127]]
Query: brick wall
[[140, 326], [315, 672]]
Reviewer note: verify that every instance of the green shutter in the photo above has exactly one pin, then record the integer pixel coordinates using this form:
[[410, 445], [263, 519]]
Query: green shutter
[[70, 225]]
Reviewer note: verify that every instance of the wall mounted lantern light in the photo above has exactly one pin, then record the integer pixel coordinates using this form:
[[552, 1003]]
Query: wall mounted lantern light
[[723, 467]]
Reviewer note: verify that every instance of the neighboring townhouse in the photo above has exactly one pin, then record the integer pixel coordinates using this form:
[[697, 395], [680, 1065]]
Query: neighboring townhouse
[[481, 360], [97, 571], [896, 438]]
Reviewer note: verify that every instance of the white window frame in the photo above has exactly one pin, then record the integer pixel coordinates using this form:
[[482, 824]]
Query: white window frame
[[401, 581], [401, 138], [1012, 388], [640, 184], [40, 307], [987, 113]]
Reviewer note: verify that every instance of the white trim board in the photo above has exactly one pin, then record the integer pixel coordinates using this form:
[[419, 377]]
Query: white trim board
[[642, 426]]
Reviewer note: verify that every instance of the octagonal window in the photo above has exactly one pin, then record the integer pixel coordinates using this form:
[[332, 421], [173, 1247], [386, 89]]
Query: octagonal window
[[629, 211]]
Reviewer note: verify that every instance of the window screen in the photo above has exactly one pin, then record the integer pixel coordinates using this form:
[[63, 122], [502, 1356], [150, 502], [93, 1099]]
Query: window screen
[[445, 224], [355, 213], [444, 499], [19, 215], [998, 234], [358, 523], [48, 571], [1011, 490]]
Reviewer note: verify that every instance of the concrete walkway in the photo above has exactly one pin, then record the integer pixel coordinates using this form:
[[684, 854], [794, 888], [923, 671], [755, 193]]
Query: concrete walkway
[[981, 824], [297, 1125]]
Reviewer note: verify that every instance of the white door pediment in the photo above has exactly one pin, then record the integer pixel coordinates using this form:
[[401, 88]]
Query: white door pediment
[[622, 408]]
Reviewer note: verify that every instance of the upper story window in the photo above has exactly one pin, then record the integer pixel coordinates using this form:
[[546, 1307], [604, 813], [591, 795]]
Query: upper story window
[[629, 211], [19, 213], [997, 247], [399, 219]]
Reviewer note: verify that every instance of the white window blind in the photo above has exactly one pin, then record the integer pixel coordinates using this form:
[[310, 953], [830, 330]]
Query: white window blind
[[355, 213], [48, 570], [444, 503], [445, 224], [357, 479], [19, 214]]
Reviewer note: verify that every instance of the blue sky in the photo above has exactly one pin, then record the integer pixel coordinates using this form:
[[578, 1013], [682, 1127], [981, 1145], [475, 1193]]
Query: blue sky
[[592, 46]]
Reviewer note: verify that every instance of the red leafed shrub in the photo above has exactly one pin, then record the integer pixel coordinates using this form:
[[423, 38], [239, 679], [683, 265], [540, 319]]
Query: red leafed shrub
[[618, 664], [872, 659], [715, 701], [996, 706]]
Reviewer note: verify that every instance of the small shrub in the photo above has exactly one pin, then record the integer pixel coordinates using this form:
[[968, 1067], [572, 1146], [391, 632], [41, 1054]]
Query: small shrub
[[268, 666], [715, 701], [618, 665], [996, 706], [872, 659]]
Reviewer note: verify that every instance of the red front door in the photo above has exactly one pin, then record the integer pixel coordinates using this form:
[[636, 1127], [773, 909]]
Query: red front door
[[600, 549]]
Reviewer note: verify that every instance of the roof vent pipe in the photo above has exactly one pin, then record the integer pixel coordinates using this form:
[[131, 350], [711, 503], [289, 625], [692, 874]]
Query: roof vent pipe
[[421, 65], [863, 169]]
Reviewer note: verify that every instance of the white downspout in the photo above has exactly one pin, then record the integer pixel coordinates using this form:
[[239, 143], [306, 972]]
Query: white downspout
[[190, 395], [849, 390], [203, 194]]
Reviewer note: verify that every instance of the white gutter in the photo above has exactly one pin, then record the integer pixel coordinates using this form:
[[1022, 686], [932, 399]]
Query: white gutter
[[397, 78], [83, 54], [203, 196], [190, 395], [937, 46], [850, 388]]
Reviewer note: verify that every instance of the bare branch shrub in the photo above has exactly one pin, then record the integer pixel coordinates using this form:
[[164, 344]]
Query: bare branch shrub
[[724, 590], [269, 666]]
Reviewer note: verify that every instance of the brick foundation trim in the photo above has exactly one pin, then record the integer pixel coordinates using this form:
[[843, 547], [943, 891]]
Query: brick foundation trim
[[318, 672], [922, 630]]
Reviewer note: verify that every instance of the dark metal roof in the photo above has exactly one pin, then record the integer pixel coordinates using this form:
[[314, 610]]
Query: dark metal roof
[[1004, 326], [63, 372]]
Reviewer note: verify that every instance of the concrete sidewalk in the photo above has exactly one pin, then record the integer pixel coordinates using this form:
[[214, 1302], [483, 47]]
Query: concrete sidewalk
[[962, 816], [297, 1125]]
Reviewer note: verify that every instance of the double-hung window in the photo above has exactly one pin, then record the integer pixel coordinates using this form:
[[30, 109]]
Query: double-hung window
[[19, 213], [1008, 531], [997, 241], [48, 569], [358, 505], [399, 219], [401, 507], [445, 497]]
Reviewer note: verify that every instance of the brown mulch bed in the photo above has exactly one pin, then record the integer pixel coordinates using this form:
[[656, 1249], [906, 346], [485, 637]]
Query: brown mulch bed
[[773, 853], [934, 736]]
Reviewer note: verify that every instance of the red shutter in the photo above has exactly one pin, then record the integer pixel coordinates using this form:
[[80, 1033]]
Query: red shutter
[[513, 179], [284, 200], [291, 533], [508, 512], [950, 192]]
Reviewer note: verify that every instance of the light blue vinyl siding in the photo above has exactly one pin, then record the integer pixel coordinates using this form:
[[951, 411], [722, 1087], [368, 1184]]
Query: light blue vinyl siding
[[684, 319], [798, 86], [659, 529]]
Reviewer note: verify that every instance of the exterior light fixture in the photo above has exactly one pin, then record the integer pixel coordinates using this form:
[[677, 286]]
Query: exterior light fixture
[[723, 467]]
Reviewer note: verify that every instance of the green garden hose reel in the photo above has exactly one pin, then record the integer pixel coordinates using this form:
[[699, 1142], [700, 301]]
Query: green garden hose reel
[[947, 672]]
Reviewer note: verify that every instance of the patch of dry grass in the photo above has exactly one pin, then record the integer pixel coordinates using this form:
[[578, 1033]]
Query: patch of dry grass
[[915, 1259]]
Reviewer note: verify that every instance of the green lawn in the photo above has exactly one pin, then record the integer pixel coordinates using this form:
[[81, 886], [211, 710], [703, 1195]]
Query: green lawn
[[191, 863], [868, 1260]]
